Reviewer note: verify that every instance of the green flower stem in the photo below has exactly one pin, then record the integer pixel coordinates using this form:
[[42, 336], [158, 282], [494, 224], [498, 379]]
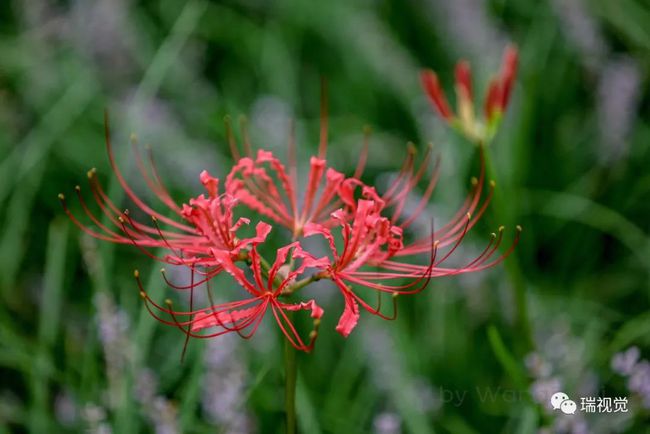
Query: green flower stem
[[290, 367], [512, 263], [290, 364], [302, 283]]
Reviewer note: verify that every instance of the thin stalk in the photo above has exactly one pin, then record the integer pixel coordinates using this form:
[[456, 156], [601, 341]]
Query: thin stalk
[[290, 368], [512, 264], [301, 284]]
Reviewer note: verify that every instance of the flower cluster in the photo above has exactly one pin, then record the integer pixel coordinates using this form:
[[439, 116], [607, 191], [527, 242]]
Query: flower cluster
[[371, 250], [495, 103]]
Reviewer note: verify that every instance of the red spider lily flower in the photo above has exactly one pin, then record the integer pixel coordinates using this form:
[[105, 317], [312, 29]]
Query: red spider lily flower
[[245, 316], [265, 185], [372, 237], [368, 239], [496, 99], [372, 253], [206, 223]]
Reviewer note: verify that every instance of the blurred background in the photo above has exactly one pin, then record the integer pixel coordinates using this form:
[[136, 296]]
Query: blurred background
[[78, 352]]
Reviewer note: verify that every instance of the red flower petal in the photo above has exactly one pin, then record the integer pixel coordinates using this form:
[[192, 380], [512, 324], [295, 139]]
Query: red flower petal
[[350, 316], [464, 79], [508, 74], [436, 95], [316, 310]]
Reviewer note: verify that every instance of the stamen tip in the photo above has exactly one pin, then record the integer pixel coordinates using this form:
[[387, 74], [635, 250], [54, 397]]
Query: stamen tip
[[474, 181], [91, 173], [133, 137], [136, 273], [153, 218], [493, 183], [519, 228], [313, 334], [143, 294], [316, 322], [61, 196], [493, 235], [76, 187], [410, 147], [162, 270], [395, 294], [501, 228], [168, 302], [469, 216]]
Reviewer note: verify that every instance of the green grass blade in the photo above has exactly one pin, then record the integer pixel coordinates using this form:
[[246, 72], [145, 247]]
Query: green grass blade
[[49, 316]]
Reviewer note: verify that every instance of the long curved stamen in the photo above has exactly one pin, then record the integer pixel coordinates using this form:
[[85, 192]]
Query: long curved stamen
[[154, 184], [407, 167], [247, 320], [162, 237], [487, 254], [92, 216], [111, 211], [456, 232], [422, 279], [377, 310], [292, 334], [255, 318], [402, 196], [140, 247], [433, 181], [453, 229], [505, 254], [216, 316], [77, 223], [458, 241], [141, 235], [487, 251], [127, 189], [171, 284]]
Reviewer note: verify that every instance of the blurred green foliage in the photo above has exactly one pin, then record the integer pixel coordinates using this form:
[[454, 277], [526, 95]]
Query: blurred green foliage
[[76, 346]]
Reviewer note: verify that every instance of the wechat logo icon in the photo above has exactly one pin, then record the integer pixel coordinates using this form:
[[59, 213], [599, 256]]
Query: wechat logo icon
[[560, 401]]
